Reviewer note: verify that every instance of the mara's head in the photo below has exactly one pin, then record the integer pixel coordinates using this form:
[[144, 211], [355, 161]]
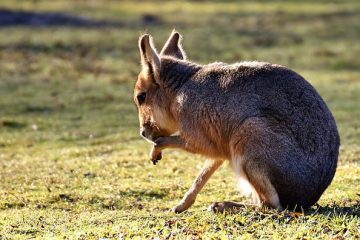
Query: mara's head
[[152, 100]]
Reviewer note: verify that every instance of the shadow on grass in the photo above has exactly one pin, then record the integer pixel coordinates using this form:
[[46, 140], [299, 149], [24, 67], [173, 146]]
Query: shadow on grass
[[9, 18], [12, 124], [337, 210], [132, 199], [147, 194], [39, 19]]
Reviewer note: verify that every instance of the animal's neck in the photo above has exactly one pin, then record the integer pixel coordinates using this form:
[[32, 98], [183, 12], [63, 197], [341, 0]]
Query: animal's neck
[[174, 73]]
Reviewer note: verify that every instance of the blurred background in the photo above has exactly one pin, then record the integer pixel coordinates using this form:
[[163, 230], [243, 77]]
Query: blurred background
[[80, 58], [69, 129]]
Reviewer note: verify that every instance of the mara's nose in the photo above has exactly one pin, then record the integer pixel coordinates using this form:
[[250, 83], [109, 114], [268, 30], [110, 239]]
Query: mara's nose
[[142, 132]]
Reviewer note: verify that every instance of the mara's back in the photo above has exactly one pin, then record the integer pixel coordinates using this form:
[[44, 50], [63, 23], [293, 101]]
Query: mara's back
[[228, 95]]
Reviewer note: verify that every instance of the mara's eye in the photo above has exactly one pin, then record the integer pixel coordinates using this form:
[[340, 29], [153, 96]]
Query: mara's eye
[[141, 98]]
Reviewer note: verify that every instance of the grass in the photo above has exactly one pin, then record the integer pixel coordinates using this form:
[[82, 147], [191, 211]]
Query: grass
[[72, 164]]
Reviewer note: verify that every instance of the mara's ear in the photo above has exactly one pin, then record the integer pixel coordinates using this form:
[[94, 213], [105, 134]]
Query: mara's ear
[[173, 46], [149, 58]]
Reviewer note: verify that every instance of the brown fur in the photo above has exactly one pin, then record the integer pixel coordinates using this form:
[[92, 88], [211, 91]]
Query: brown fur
[[267, 120]]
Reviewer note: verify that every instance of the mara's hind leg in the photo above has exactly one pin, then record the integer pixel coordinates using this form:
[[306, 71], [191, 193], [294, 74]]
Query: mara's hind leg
[[255, 180], [257, 174], [269, 197]]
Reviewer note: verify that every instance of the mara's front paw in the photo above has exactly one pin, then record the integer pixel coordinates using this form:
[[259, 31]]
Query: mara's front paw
[[155, 155]]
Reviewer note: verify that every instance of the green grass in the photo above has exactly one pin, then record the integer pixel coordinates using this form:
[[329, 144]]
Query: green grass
[[72, 164]]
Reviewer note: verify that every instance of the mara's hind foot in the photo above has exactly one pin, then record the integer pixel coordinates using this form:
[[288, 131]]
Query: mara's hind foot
[[229, 207]]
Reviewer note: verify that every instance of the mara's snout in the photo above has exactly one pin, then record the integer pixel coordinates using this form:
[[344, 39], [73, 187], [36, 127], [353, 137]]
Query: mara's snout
[[267, 120], [148, 134]]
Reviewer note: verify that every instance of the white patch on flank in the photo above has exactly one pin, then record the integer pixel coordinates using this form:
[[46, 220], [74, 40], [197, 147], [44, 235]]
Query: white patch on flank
[[244, 186], [242, 181]]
